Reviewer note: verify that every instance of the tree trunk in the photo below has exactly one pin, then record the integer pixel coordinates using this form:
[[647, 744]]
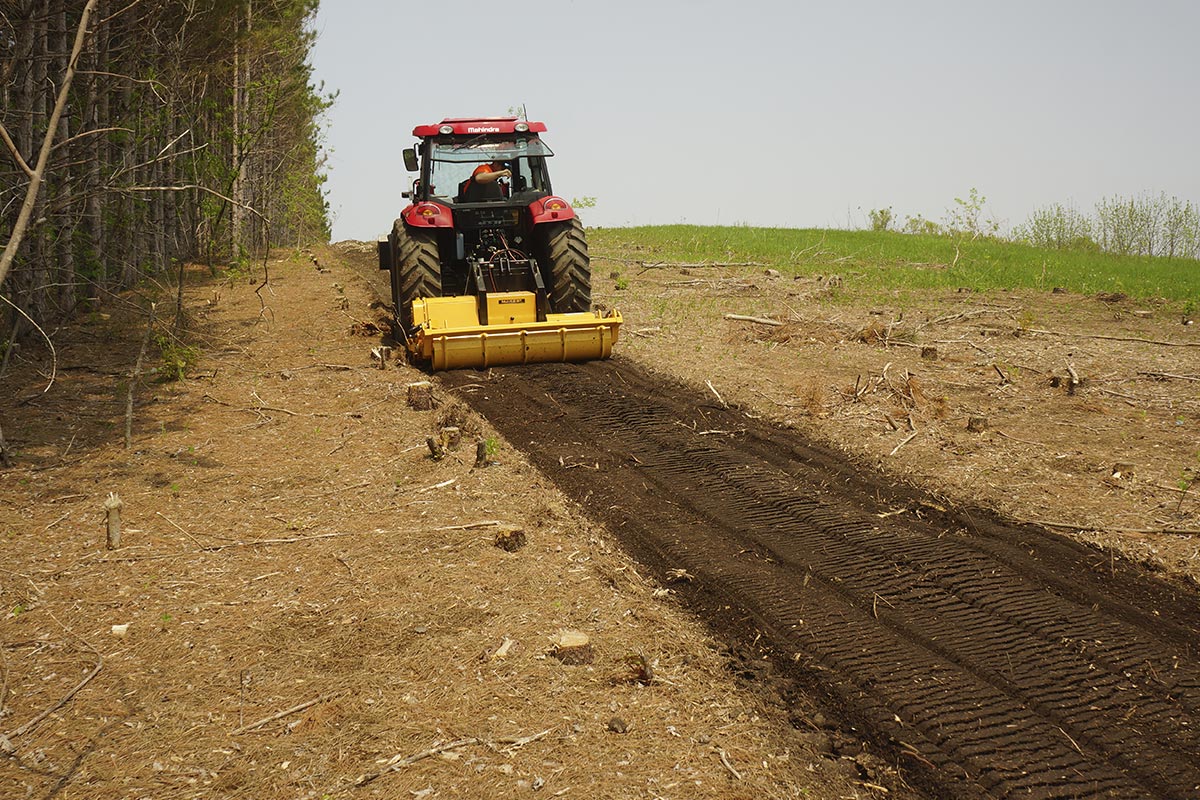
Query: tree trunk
[[64, 268], [96, 153], [235, 213]]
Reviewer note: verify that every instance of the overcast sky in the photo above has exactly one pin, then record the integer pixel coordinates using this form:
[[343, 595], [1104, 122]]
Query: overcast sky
[[784, 114]]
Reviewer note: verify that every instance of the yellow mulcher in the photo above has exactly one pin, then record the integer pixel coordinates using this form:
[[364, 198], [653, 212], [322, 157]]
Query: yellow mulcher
[[488, 266]]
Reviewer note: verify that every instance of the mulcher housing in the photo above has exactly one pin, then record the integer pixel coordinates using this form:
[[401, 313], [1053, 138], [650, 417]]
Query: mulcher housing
[[493, 273]]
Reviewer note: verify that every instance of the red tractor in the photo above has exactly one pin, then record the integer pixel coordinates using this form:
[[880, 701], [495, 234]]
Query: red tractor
[[488, 266]]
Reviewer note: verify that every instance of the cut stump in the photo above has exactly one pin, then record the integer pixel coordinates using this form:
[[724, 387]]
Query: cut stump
[[573, 648], [509, 540], [420, 396]]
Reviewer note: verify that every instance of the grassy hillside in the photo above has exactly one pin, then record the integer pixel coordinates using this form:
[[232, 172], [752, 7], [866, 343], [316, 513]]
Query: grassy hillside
[[887, 260]]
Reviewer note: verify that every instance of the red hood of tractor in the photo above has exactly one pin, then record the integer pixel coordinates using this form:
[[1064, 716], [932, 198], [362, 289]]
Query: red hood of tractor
[[473, 125]]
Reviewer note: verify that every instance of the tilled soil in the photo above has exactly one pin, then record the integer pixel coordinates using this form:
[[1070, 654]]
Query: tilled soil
[[991, 658]]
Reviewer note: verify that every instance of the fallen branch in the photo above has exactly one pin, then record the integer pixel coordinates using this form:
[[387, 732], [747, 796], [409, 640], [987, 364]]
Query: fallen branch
[[177, 527], [441, 485], [1183, 489], [700, 265], [887, 342], [284, 713], [966, 342], [903, 442], [218, 547], [1111, 338], [487, 523], [967, 315], [1136, 402], [758, 320], [66, 698], [335, 491], [1022, 441], [713, 389], [725, 763], [1071, 526], [1168, 376], [258, 409], [261, 542], [399, 762]]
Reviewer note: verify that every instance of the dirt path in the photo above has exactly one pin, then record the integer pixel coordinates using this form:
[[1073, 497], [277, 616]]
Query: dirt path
[[1012, 660], [315, 607], [306, 605]]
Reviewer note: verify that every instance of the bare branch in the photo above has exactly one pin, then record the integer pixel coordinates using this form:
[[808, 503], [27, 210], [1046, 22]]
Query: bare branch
[[85, 134], [153, 84], [110, 18], [12, 148], [187, 188], [53, 352]]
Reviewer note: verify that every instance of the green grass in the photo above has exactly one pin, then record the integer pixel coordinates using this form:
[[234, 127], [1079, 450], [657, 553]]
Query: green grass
[[885, 260]]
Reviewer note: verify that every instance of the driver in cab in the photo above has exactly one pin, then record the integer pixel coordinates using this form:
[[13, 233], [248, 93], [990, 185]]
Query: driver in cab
[[484, 183]]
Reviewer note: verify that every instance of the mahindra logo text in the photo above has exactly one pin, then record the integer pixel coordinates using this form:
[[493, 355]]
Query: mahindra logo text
[[483, 130]]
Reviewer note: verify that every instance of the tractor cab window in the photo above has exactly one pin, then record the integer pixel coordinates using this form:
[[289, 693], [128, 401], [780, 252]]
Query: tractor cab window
[[454, 159]]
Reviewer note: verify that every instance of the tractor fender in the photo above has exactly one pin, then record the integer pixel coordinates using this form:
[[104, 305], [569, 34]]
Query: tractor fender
[[428, 214], [550, 209]]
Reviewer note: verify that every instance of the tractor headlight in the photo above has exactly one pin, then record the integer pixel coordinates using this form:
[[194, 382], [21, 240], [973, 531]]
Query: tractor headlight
[[521, 127], [446, 129]]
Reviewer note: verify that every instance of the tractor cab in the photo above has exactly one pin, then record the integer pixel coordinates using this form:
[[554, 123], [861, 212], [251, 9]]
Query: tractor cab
[[447, 161]]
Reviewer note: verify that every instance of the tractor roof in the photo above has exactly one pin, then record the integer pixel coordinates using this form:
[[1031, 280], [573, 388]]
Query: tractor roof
[[470, 125]]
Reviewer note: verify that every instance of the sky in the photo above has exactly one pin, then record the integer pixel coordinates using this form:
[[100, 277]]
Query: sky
[[792, 114]]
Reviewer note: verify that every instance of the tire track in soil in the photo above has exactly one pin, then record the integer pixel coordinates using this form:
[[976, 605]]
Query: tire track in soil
[[988, 659]]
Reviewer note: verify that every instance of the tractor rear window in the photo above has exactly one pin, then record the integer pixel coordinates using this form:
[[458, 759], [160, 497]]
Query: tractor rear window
[[454, 160], [478, 149]]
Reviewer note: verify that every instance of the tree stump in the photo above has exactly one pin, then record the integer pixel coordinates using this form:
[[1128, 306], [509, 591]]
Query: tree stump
[[976, 423], [436, 449], [451, 437], [481, 453], [112, 513], [573, 648], [1074, 381], [510, 540], [640, 670], [420, 396]]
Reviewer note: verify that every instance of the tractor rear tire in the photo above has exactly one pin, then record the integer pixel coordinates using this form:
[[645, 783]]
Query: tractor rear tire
[[570, 279], [416, 269]]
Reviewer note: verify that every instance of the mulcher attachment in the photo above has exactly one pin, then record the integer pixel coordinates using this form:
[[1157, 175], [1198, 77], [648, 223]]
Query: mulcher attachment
[[499, 324]]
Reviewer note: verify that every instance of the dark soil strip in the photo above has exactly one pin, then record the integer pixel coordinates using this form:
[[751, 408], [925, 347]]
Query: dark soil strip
[[987, 659]]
